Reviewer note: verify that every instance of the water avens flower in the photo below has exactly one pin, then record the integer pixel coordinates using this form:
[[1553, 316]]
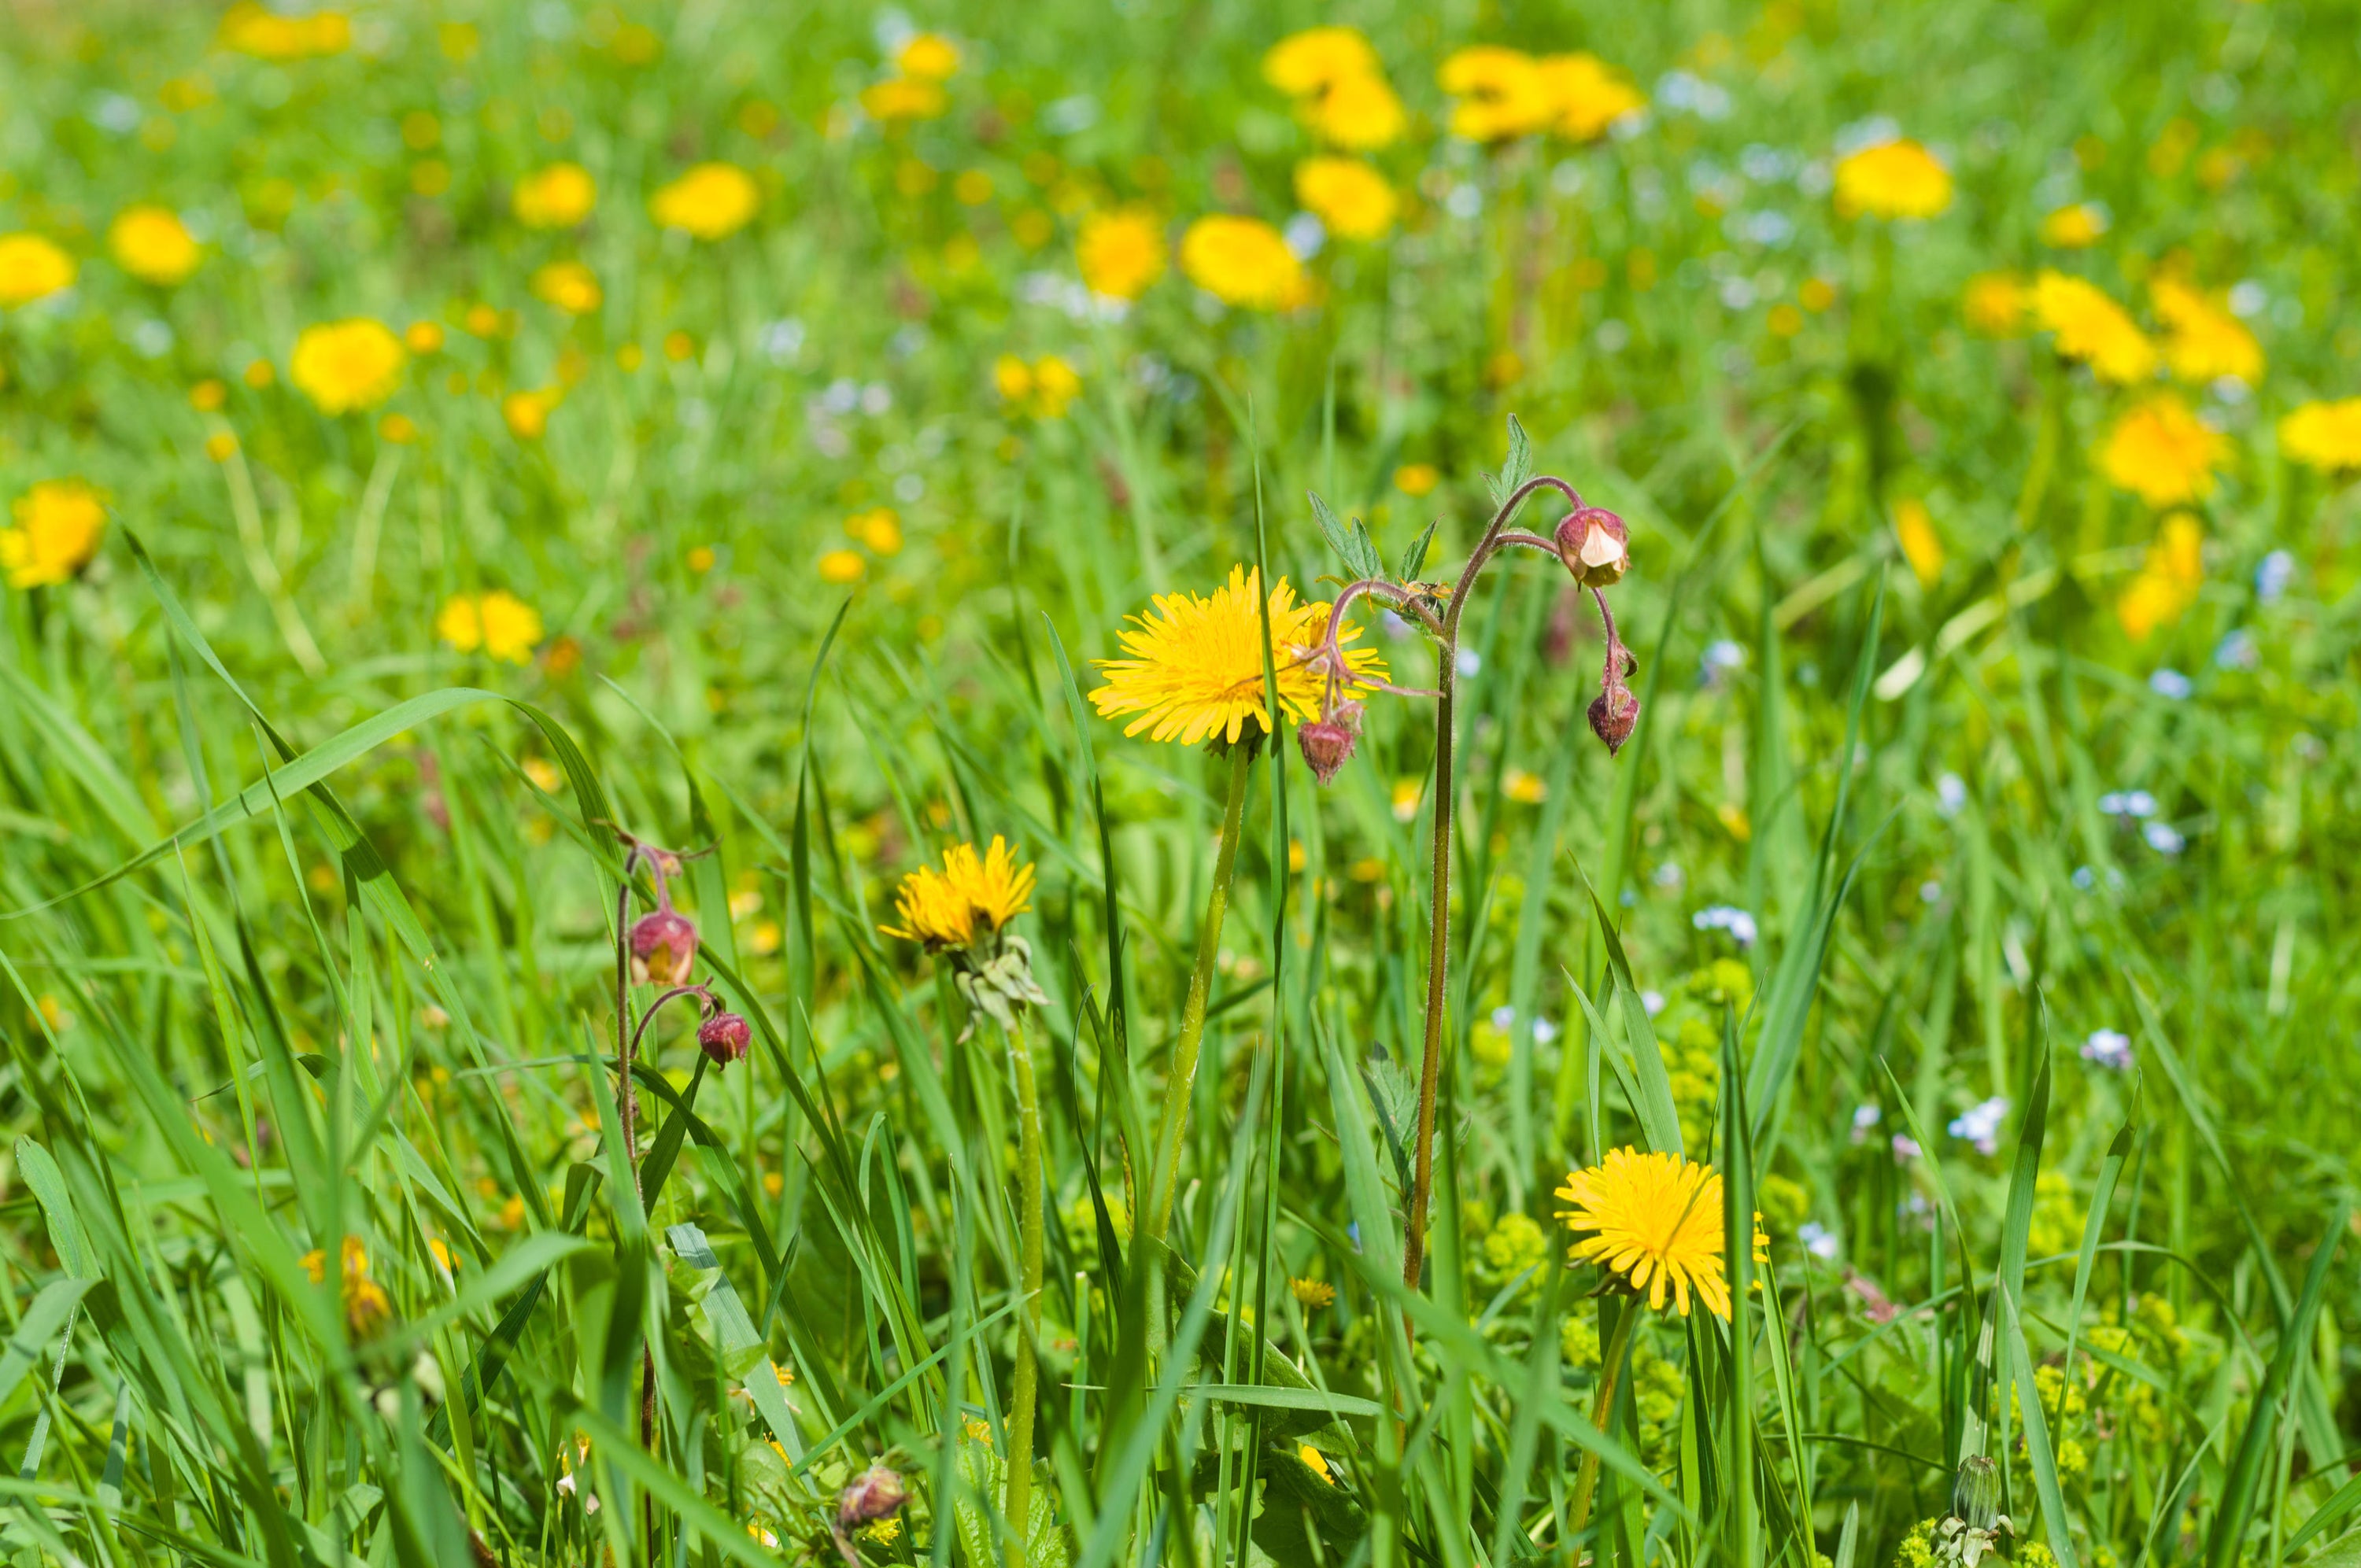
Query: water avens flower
[[725, 1037]]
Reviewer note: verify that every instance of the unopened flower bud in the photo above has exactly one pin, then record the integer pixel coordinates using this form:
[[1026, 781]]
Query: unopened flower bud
[[1614, 713], [724, 1037], [874, 1494], [1326, 748], [1975, 1494], [1594, 546], [663, 948]]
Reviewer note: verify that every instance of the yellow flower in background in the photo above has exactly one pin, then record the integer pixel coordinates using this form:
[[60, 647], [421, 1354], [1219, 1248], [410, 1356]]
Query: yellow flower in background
[[1242, 261], [2323, 435], [250, 28], [1995, 303], [1304, 64], [1357, 113], [1899, 178], [1120, 253], [929, 57], [1415, 479], [1349, 197], [556, 197], [499, 623], [1589, 95], [1502, 92], [32, 268], [58, 524], [2163, 453], [2202, 340], [1042, 389], [971, 895], [1656, 1220], [1315, 1462], [569, 285], [1311, 1294], [2076, 227], [903, 98], [527, 413], [347, 365], [1913, 529], [2169, 580], [880, 529], [2092, 328], [1195, 669], [367, 1307], [841, 566], [152, 244], [422, 337], [712, 200]]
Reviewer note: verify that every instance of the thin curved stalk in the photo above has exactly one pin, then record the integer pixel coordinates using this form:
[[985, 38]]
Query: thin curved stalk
[[1610, 1373], [1018, 1495]]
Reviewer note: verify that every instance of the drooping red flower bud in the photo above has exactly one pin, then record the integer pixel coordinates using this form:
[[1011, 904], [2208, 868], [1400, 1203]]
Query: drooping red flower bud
[[724, 1037], [874, 1494], [663, 948], [1594, 546], [1614, 714], [1326, 748]]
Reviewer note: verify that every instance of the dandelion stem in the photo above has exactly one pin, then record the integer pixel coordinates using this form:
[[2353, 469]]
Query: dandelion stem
[[1610, 1373], [1017, 1497]]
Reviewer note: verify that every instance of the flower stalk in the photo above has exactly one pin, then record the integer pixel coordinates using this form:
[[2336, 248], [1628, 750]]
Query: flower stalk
[[1018, 1495], [1602, 1406]]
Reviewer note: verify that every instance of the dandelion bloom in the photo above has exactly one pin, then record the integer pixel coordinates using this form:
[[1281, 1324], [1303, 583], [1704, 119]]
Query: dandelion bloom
[[1055, 385], [1502, 93], [367, 1307], [1913, 529], [423, 337], [32, 268], [2163, 453], [569, 285], [557, 197], [1313, 1294], [2202, 341], [1348, 196], [1415, 479], [1311, 61], [929, 57], [152, 244], [2077, 227], [55, 533], [2169, 579], [1358, 112], [1121, 253], [1589, 95], [971, 896], [499, 623], [1656, 1220], [1899, 178], [1195, 669], [527, 413], [903, 98], [2092, 328], [1242, 261], [841, 566], [712, 200], [249, 28], [347, 365], [2323, 435], [1995, 303]]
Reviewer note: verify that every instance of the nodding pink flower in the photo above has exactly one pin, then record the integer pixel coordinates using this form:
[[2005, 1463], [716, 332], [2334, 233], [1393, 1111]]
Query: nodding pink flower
[[1614, 714], [724, 1037], [1594, 546], [1326, 748], [874, 1494], [663, 948]]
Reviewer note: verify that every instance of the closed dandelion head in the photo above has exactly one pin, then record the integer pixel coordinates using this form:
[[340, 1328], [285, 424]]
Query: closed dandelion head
[[1654, 1224]]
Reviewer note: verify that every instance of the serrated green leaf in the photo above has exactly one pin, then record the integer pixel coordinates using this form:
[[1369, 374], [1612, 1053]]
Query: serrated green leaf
[[1415, 557]]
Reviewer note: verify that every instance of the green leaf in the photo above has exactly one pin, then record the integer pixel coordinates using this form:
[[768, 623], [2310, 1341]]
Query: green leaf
[[1516, 470], [1414, 558], [1352, 547]]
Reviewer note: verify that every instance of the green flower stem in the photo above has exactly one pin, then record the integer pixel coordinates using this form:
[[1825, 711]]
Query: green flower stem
[[1017, 1497], [1610, 1374], [1181, 1084]]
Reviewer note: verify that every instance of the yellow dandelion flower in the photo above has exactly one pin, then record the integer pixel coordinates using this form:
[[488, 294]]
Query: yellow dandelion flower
[[32, 268], [1055, 385], [1120, 253], [1899, 178], [347, 365], [2092, 328], [152, 244], [972, 895], [2202, 339], [1242, 261], [527, 413], [1303, 64], [459, 626], [511, 625], [712, 200], [841, 566], [1502, 92], [1524, 787], [556, 197], [1913, 529], [1588, 94], [1315, 1462], [569, 285], [1360, 114], [2162, 453], [422, 337], [1311, 1294], [2323, 435], [929, 57], [2169, 579], [1195, 669], [2077, 227], [1349, 197], [903, 98], [1415, 479], [249, 28], [1995, 303], [1657, 1222], [55, 533]]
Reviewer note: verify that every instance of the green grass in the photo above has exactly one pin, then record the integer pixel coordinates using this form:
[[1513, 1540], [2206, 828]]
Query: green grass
[[306, 915]]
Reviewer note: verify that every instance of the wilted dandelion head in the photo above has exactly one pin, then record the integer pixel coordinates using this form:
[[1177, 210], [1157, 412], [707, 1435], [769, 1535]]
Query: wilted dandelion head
[[1655, 1221], [966, 900]]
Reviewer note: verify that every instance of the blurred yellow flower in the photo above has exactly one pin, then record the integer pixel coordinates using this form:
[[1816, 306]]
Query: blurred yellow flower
[[499, 623], [367, 1307], [841, 566], [1913, 529], [208, 395], [2075, 227], [1315, 1462], [556, 197], [1655, 1220], [1502, 92], [1195, 669], [1417, 478], [880, 529], [1524, 787], [399, 429], [347, 365], [2092, 328], [1589, 95], [1316, 59], [1404, 802], [1120, 253], [1995, 303], [1899, 178], [902, 98], [220, 445], [942, 909], [32, 268], [152, 244], [929, 57], [250, 28], [1357, 113], [527, 413], [423, 337], [569, 286], [1242, 261], [1349, 197], [2202, 340], [1311, 1294], [2169, 580], [55, 533], [2323, 435], [712, 200], [2161, 452], [1042, 389]]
